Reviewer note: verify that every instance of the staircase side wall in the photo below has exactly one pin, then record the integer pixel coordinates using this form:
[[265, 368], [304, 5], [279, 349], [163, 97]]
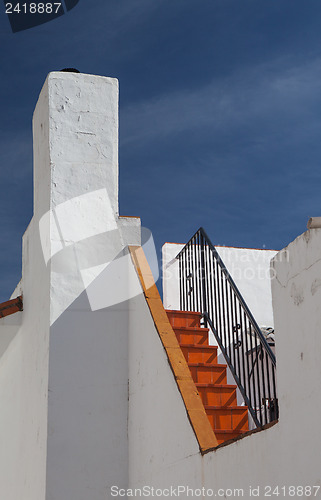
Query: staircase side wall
[[162, 444]]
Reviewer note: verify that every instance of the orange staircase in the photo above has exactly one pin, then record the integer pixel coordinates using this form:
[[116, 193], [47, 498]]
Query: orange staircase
[[227, 419]]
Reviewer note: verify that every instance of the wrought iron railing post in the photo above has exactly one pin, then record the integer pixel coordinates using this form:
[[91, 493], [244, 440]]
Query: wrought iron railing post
[[204, 301]]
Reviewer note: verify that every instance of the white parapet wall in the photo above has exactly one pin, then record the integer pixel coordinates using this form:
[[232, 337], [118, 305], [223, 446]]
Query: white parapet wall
[[24, 361], [249, 268], [297, 310]]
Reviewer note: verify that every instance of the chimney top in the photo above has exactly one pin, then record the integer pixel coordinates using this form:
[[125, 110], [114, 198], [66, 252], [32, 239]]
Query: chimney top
[[70, 70]]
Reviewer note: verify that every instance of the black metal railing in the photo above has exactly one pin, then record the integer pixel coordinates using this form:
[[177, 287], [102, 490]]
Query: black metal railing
[[207, 287]]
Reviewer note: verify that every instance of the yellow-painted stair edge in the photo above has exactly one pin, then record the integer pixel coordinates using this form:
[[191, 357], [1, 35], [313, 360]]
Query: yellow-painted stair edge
[[192, 400]]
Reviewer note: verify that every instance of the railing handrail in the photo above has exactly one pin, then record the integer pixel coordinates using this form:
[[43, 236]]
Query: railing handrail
[[201, 240]]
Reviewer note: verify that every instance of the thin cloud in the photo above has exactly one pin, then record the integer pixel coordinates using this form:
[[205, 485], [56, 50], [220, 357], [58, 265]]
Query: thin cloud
[[265, 94]]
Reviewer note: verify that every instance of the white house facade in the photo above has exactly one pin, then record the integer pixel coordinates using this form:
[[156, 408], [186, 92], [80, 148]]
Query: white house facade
[[108, 391]]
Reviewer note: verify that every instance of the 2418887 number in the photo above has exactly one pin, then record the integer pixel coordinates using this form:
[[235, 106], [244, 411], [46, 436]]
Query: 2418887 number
[[33, 8]]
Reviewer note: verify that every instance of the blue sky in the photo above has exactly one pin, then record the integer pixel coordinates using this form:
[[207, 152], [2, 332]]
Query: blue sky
[[220, 115]]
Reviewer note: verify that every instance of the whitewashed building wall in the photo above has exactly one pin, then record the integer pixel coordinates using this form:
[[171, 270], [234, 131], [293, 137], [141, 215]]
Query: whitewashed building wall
[[88, 398]]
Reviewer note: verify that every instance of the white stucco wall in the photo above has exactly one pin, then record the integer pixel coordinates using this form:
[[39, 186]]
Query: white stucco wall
[[288, 454], [249, 268], [24, 381], [297, 309]]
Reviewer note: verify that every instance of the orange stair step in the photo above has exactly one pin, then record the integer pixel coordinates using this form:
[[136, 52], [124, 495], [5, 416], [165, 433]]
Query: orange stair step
[[189, 335], [231, 418], [200, 353], [217, 395], [207, 373], [225, 435], [228, 420], [184, 318]]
